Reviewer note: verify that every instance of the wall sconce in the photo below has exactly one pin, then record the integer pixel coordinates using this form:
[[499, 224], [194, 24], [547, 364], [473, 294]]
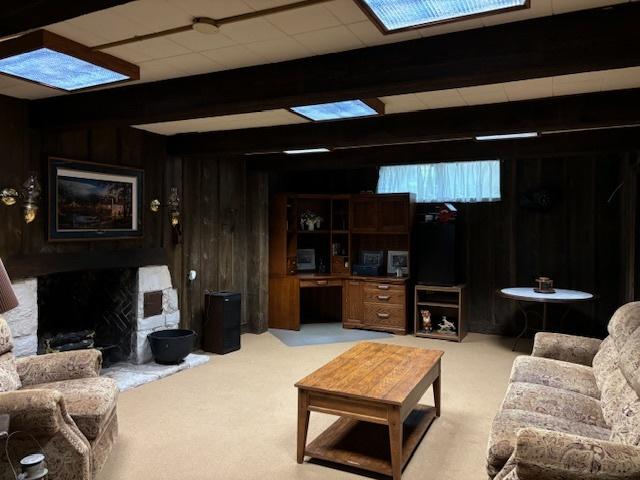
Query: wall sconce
[[30, 194], [172, 206]]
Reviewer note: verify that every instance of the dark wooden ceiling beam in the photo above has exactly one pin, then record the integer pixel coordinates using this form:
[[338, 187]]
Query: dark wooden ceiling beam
[[17, 16], [575, 112], [547, 146], [588, 40]]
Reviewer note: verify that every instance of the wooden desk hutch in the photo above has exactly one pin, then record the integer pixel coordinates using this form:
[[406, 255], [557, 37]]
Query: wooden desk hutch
[[351, 223]]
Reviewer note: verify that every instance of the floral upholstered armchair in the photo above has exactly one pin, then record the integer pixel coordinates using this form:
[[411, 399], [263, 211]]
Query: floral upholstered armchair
[[60, 401], [572, 408]]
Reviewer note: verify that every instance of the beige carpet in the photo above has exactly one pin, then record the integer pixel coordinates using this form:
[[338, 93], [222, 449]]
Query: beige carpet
[[235, 417]]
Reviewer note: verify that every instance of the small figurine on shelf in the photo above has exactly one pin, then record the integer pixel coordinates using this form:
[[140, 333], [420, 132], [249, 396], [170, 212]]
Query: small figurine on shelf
[[446, 326], [426, 320], [311, 220]]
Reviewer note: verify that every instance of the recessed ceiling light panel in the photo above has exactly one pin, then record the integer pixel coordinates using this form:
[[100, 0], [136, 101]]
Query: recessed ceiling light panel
[[54, 61], [338, 110], [394, 15], [507, 136], [307, 150]]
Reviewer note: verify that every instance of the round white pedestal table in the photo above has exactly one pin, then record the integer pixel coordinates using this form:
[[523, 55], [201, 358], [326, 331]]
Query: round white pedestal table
[[528, 294]]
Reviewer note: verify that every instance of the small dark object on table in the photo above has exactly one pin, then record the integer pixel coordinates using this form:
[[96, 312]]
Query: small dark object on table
[[545, 285]]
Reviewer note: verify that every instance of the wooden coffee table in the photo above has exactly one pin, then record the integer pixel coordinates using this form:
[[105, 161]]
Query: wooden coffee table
[[375, 388]]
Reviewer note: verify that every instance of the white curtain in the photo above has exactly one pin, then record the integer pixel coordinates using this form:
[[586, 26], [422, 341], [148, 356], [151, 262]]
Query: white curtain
[[444, 182]]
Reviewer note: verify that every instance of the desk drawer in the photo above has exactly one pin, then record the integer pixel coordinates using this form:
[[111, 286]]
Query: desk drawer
[[384, 287], [380, 315], [386, 297], [320, 283]]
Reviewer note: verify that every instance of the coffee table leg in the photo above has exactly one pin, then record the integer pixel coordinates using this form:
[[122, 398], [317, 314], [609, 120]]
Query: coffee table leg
[[395, 442], [303, 423], [436, 395]]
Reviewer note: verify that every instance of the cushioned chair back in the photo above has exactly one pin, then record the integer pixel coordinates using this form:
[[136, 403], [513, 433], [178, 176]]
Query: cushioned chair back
[[617, 371], [9, 379]]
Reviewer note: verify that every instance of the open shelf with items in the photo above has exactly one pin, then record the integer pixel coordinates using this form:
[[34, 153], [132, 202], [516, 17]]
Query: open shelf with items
[[446, 309]]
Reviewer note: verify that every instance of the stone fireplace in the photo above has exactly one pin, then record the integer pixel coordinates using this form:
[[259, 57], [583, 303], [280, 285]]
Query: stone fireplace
[[109, 302]]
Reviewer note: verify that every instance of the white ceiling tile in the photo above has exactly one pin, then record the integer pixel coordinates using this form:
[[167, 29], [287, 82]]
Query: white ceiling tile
[[305, 19], [30, 91], [334, 39], [248, 31], [265, 118], [442, 99], [109, 25], [212, 8], [370, 35], [346, 11], [77, 34], [129, 53], [621, 78], [156, 48], [279, 49], [190, 64], [155, 15], [264, 4], [199, 42], [482, 94], [402, 103], [527, 89], [235, 57], [564, 6]]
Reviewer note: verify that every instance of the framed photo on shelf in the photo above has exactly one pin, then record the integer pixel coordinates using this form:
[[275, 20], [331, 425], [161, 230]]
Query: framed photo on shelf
[[306, 259], [397, 259], [374, 258], [92, 201]]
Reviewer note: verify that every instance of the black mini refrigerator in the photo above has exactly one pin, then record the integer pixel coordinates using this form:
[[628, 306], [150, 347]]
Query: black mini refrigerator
[[221, 328]]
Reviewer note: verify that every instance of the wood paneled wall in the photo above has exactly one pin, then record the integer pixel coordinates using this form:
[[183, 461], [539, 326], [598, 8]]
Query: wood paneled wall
[[586, 241], [23, 150], [225, 237]]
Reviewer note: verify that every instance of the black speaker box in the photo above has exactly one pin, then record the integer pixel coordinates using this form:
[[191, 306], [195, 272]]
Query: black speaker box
[[437, 248], [221, 327]]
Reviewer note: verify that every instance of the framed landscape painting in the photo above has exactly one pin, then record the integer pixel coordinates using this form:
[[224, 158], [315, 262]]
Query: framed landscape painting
[[92, 201]]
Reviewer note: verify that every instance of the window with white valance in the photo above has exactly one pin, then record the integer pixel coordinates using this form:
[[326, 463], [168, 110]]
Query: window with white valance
[[444, 182]]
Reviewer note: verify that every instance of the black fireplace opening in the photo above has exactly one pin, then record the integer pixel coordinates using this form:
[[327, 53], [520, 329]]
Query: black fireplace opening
[[88, 309]]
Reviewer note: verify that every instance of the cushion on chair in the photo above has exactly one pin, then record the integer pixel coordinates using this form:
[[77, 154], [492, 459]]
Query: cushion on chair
[[605, 362], [9, 379], [6, 342], [89, 401], [621, 409], [629, 362], [624, 322], [552, 373], [556, 402], [506, 424]]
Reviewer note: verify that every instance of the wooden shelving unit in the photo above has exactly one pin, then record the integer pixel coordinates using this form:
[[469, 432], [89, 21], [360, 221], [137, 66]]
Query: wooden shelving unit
[[440, 301]]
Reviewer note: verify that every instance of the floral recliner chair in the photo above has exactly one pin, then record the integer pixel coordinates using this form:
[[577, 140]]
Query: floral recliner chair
[[572, 408], [62, 402]]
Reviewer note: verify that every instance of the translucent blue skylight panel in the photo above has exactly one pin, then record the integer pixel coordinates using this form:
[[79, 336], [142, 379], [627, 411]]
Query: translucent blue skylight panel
[[333, 111], [395, 14], [58, 70]]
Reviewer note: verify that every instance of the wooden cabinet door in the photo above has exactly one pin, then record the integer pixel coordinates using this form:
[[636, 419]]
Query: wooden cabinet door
[[364, 214], [393, 213], [353, 312]]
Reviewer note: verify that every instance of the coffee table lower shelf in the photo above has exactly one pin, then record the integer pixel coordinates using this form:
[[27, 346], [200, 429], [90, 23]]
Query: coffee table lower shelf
[[366, 445]]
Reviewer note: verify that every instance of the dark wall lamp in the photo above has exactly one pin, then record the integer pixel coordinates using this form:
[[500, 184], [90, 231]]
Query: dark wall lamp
[[173, 210], [30, 195]]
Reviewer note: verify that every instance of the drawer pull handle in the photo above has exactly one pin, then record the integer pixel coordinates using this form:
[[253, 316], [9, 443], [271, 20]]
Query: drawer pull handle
[[384, 297], [383, 287], [383, 315], [321, 282]]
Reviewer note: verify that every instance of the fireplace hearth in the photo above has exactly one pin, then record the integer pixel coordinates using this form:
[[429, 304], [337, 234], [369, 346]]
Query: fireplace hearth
[[105, 308]]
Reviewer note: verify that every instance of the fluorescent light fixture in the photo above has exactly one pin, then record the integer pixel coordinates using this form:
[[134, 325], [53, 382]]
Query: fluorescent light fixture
[[507, 136], [306, 150], [395, 15], [48, 59], [338, 110]]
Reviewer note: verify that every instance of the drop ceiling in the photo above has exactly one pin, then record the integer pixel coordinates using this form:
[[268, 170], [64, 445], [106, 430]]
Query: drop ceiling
[[334, 26]]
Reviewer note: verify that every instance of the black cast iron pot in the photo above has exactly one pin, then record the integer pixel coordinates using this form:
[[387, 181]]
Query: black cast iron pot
[[171, 346]]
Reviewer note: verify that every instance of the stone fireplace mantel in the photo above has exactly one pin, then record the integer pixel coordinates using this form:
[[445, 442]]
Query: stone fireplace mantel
[[23, 320]]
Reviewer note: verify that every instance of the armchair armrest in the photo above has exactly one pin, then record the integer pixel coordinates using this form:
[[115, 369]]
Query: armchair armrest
[[39, 412], [55, 367], [567, 348], [543, 454]]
